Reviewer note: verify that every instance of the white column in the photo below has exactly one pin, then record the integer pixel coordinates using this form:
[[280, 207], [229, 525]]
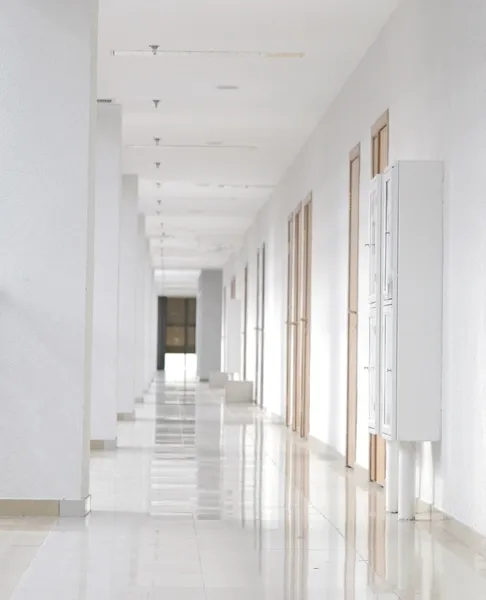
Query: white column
[[199, 347], [149, 323], [140, 311], [391, 481], [210, 298], [104, 382], [47, 108], [406, 481], [155, 322], [127, 298]]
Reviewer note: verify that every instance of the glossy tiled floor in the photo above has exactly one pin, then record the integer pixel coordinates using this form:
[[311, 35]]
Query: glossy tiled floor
[[202, 502]]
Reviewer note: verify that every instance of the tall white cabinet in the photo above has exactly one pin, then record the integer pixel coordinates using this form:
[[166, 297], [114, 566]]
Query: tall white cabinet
[[405, 302]]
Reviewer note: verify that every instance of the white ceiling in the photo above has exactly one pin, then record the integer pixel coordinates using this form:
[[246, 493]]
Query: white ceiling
[[205, 205]]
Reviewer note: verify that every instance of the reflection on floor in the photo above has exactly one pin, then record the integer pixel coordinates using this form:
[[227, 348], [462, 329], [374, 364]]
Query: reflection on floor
[[202, 502], [181, 366]]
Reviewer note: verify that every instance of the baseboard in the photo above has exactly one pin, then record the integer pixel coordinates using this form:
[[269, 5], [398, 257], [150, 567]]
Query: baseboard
[[45, 508], [320, 447], [425, 511], [274, 417], [103, 445], [126, 416]]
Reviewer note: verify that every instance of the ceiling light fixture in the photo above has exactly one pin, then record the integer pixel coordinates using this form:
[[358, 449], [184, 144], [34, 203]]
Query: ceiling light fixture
[[228, 186], [156, 103], [219, 146], [154, 50]]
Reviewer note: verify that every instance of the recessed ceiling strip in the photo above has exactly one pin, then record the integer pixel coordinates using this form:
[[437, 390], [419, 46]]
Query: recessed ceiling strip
[[156, 51], [193, 146]]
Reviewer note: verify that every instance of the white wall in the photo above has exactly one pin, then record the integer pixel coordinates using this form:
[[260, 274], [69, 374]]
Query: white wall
[[427, 67], [104, 375]]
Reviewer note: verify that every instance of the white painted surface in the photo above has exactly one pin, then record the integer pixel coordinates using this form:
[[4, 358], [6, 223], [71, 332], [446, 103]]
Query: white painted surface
[[150, 322], [412, 292], [238, 391], [47, 108], [406, 481], [426, 68], [104, 386], [233, 360], [140, 308], [210, 312], [391, 482], [217, 379], [276, 107], [127, 297]]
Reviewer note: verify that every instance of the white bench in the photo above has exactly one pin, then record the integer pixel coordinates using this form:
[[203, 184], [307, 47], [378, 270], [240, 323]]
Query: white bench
[[239, 392], [218, 380]]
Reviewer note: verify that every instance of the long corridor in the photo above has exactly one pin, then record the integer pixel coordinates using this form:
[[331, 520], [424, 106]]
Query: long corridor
[[207, 502]]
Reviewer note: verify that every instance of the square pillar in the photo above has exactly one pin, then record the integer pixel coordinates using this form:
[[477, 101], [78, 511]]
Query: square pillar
[[209, 325], [127, 298], [104, 387], [48, 116], [140, 310]]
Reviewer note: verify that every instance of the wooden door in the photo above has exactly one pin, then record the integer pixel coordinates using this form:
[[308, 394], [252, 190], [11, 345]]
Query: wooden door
[[289, 326], [261, 332], [223, 332], [305, 319], [257, 331], [245, 320], [353, 272], [296, 315], [380, 138]]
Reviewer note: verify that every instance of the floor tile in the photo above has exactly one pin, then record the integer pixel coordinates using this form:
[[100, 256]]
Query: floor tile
[[203, 501]]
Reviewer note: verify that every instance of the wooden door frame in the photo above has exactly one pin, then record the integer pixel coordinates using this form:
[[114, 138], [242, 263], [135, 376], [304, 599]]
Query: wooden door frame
[[377, 443], [223, 328], [245, 321], [290, 299], [306, 315], [257, 328], [263, 268], [354, 155], [380, 124], [297, 346]]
